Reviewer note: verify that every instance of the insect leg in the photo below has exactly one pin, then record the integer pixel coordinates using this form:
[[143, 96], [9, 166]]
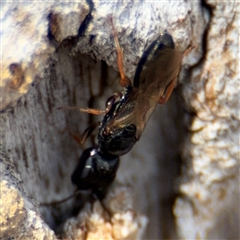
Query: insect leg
[[82, 139], [55, 202], [89, 131], [63, 107], [93, 111], [124, 80], [87, 110], [167, 93]]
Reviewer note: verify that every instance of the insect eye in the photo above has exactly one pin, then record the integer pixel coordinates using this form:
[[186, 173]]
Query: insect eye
[[110, 102]]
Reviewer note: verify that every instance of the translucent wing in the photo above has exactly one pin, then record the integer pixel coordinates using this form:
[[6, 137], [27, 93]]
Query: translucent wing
[[155, 72]]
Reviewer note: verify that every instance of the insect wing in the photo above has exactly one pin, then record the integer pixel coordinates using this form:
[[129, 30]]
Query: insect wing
[[153, 80]]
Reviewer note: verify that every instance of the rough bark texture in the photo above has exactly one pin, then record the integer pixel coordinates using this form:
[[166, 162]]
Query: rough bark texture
[[210, 189], [51, 58]]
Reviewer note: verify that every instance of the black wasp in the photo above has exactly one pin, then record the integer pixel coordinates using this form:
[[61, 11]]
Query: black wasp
[[127, 113]]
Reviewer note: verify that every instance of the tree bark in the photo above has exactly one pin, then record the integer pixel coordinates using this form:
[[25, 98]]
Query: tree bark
[[179, 181]]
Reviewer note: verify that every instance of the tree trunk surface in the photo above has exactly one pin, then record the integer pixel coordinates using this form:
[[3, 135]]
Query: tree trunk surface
[[181, 179]]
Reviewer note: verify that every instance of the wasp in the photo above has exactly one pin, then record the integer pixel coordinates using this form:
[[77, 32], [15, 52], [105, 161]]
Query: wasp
[[127, 113]]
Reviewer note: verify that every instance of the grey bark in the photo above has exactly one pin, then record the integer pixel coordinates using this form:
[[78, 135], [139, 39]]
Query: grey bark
[[179, 181]]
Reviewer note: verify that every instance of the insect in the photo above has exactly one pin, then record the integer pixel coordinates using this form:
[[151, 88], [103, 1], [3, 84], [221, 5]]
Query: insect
[[127, 113]]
